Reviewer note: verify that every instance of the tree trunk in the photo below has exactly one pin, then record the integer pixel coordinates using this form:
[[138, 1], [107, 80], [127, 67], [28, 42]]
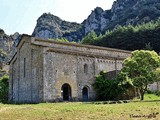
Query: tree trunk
[[142, 95]]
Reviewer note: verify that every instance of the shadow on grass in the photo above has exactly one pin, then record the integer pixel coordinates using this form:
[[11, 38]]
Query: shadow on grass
[[119, 101], [11, 103], [147, 101]]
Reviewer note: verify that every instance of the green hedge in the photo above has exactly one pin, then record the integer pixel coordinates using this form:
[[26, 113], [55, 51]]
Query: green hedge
[[4, 86]]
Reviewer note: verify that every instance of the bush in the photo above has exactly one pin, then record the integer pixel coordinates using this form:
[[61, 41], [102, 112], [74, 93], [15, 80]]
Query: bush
[[4, 86], [148, 91], [157, 92], [107, 89]]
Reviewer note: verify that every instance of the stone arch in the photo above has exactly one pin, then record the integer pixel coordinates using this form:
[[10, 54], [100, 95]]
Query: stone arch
[[66, 92], [85, 93]]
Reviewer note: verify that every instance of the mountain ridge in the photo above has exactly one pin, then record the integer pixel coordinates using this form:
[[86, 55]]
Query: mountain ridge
[[123, 12]]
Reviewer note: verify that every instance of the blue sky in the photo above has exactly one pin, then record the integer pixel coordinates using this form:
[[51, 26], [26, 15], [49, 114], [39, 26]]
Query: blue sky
[[21, 15]]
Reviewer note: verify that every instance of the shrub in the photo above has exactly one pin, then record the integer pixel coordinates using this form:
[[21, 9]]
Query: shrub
[[157, 92], [148, 91], [107, 89], [4, 88]]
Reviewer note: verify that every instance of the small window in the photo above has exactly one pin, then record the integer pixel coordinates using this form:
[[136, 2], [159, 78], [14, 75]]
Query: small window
[[65, 71], [24, 71], [85, 68]]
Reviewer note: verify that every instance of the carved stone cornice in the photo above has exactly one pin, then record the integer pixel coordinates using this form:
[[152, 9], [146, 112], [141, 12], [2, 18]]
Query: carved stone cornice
[[94, 55]]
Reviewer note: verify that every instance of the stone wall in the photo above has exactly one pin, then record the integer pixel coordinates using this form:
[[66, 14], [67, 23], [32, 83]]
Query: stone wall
[[15, 82], [59, 69], [20, 75], [155, 86], [85, 78], [24, 73], [37, 73], [41, 67], [25, 84], [83, 49]]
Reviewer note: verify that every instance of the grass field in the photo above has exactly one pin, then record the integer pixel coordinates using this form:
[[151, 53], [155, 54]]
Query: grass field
[[148, 109]]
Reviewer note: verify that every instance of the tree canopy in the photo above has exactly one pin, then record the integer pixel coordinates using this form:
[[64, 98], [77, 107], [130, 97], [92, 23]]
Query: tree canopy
[[142, 69], [89, 38], [130, 37]]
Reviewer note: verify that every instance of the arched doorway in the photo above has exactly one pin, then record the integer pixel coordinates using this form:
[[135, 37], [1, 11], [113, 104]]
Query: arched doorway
[[66, 91], [85, 94]]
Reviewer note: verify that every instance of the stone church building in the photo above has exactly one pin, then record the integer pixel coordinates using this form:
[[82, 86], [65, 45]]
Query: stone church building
[[48, 71]]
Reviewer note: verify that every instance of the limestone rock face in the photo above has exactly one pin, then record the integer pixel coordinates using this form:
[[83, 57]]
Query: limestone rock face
[[123, 12], [50, 26], [95, 21], [7, 45]]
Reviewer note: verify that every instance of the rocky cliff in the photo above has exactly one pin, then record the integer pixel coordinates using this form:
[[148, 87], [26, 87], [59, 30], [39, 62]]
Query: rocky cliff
[[7, 45], [50, 26], [123, 12]]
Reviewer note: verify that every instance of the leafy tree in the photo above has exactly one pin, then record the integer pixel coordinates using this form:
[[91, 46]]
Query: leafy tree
[[142, 69], [90, 38]]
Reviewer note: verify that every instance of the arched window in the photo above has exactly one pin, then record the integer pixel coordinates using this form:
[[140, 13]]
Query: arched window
[[85, 93], [85, 68], [66, 91]]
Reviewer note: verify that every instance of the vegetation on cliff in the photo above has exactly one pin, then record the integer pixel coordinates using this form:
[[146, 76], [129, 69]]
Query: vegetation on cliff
[[123, 12], [146, 35]]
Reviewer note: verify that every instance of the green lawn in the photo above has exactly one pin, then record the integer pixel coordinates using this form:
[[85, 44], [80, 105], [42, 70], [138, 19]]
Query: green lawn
[[83, 111]]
